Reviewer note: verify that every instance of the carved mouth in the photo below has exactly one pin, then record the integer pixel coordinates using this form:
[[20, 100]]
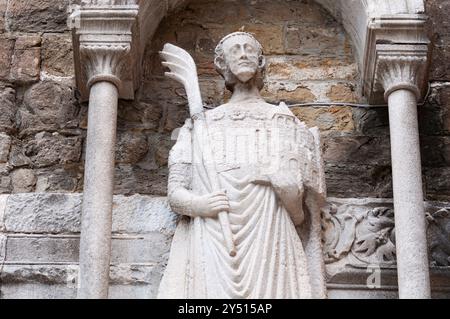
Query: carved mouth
[[245, 63]]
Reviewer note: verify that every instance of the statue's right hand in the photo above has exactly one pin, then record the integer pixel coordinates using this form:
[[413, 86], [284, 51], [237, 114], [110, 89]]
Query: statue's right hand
[[210, 205]]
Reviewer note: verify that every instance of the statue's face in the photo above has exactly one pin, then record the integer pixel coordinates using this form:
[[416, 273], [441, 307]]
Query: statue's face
[[242, 56]]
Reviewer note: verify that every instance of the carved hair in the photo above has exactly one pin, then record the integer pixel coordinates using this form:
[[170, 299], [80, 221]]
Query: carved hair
[[223, 68]]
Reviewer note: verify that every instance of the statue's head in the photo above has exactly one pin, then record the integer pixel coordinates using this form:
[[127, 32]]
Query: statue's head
[[239, 58]]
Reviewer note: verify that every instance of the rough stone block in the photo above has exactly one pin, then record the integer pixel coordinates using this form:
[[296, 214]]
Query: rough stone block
[[142, 214], [440, 69], [131, 147], [57, 55], [371, 121], [3, 7], [343, 93], [60, 213], [357, 150], [358, 180], [37, 15], [437, 183], [315, 40], [326, 119], [301, 68], [26, 61], [62, 180], [435, 151], [17, 157], [3, 201], [43, 213], [139, 115], [6, 53], [131, 180], [5, 185], [23, 180], [59, 281], [8, 107], [50, 149], [298, 94], [151, 248], [5, 146], [48, 106]]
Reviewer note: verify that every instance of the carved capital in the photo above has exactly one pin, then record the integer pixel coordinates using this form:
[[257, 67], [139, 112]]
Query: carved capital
[[396, 71], [106, 47], [396, 56], [104, 62]]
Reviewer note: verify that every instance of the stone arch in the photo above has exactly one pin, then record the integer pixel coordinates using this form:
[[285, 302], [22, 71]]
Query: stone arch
[[355, 15], [367, 22]]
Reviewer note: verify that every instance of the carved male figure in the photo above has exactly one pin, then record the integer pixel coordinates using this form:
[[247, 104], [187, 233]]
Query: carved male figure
[[247, 179]]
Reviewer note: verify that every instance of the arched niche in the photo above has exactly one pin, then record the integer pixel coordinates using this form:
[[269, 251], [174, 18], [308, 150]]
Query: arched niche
[[309, 56], [368, 23]]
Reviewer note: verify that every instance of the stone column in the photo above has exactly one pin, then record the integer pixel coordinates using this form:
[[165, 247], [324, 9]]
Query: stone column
[[105, 62], [399, 78], [96, 221]]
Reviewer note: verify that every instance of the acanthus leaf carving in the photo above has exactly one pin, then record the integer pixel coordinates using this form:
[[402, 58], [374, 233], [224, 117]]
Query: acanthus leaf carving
[[106, 46], [396, 71]]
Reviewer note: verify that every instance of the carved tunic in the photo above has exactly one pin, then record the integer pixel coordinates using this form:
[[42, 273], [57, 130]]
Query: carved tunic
[[239, 145]]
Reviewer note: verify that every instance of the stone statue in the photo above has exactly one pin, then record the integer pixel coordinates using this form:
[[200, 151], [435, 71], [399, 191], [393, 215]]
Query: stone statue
[[247, 179]]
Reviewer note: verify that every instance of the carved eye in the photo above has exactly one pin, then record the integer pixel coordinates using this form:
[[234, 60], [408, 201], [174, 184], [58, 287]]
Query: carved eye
[[249, 48]]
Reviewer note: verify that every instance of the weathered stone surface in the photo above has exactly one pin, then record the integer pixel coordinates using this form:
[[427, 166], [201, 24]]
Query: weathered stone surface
[[23, 180], [435, 151], [5, 185], [131, 147], [342, 93], [17, 157], [139, 115], [43, 213], [131, 180], [3, 201], [296, 95], [326, 119], [26, 62], [126, 249], [37, 15], [439, 27], [357, 149], [48, 106], [6, 54], [142, 214], [437, 182], [57, 55], [48, 149], [350, 180], [60, 213], [5, 146], [371, 121], [66, 179], [316, 39], [59, 281], [300, 68], [8, 107], [3, 7]]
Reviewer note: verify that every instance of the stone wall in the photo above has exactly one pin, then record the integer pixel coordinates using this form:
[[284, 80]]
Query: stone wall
[[39, 246], [310, 59]]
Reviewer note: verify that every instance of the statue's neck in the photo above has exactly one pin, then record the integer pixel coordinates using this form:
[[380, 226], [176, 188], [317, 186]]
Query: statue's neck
[[245, 91]]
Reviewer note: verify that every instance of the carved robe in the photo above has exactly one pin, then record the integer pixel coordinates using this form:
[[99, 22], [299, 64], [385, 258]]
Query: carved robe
[[271, 260]]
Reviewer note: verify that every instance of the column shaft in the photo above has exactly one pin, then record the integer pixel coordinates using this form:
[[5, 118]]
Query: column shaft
[[95, 246], [410, 224]]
